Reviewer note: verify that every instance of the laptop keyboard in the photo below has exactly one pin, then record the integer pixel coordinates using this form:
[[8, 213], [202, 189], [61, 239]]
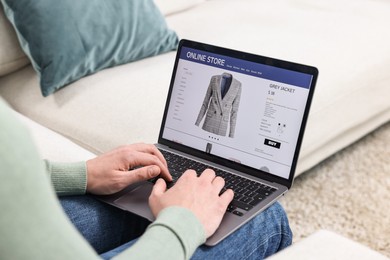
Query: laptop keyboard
[[247, 193]]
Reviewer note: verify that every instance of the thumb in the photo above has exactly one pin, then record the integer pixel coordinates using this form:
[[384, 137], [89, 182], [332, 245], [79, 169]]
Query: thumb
[[155, 202], [144, 173], [159, 188]]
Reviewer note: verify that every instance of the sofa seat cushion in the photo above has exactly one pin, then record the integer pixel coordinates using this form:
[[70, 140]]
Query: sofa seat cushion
[[53, 146], [116, 106]]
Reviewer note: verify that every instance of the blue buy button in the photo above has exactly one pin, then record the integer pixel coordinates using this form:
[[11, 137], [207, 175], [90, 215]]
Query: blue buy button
[[272, 143]]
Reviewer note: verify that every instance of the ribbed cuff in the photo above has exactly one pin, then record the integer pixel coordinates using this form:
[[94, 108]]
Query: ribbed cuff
[[68, 178]]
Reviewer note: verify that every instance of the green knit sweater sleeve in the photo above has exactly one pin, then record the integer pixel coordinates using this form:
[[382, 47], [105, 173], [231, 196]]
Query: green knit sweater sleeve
[[33, 224], [179, 242], [68, 178]]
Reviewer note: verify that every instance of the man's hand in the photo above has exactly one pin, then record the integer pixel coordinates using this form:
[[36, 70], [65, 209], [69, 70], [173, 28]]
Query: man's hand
[[113, 171], [198, 194]]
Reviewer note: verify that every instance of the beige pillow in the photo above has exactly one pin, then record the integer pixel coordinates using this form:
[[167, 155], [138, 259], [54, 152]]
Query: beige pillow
[[12, 56]]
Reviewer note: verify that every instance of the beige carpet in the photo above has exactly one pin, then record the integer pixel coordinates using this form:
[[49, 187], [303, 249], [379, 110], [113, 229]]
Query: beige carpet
[[349, 193]]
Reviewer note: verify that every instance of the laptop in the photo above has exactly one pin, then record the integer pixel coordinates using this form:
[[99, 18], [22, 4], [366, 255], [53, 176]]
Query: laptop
[[240, 114]]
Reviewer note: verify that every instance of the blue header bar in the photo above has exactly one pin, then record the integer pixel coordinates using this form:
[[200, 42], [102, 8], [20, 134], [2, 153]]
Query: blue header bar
[[247, 67]]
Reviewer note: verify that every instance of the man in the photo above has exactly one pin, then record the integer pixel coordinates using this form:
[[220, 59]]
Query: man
[[33, 224]]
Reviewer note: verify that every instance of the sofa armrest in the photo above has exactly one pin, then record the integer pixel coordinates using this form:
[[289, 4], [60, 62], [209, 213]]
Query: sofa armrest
[[327, 245]]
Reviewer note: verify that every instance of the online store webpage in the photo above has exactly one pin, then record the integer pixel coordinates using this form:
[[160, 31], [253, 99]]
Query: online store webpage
[[243, 111]]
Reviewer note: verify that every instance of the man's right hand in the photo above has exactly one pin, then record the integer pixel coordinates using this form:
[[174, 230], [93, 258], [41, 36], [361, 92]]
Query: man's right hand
[[198, 194]]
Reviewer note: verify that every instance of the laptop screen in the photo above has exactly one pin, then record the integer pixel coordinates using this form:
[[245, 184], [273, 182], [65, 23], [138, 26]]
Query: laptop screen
[[237, 108]]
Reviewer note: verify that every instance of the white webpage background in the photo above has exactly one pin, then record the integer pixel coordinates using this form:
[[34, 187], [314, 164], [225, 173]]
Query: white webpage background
[[281, 121]]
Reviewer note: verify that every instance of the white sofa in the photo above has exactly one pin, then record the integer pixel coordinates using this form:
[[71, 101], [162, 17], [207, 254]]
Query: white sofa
[[327, 245], [322, 245], [347, 40]]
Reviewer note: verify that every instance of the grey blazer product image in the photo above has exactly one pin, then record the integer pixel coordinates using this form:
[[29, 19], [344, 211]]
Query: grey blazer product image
[[221, 103]]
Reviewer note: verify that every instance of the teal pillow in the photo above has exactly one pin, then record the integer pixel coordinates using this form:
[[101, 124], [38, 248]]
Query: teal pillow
[[68, 39]]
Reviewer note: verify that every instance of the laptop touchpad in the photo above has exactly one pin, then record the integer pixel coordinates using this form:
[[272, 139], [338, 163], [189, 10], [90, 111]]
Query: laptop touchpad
[[137, 201]]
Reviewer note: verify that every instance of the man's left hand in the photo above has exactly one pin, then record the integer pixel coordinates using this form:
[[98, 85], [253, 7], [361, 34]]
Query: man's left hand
[[115, 170]]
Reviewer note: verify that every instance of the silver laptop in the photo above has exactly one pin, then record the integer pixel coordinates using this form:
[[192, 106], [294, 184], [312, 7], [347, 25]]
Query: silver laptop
[[240, 114]]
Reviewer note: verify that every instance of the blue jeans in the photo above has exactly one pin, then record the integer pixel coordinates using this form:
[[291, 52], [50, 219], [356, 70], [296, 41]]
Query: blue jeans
[[110, 231]]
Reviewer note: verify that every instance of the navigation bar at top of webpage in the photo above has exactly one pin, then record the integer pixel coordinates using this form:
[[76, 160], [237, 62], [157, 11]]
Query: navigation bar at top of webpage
[[247, 67]]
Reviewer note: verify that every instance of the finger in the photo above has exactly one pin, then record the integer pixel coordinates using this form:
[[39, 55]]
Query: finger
[[227, 197], [143, 173], [160, 155], [159, 188], [141, 158], [188, 175], [152, 149], [165, 174], [208, 175], [218, 183], [155, 198]]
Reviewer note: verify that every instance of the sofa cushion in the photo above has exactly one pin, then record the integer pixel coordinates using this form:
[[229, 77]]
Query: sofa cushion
[[175, 6], [72, 39], [12, 56], [48, 143]]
